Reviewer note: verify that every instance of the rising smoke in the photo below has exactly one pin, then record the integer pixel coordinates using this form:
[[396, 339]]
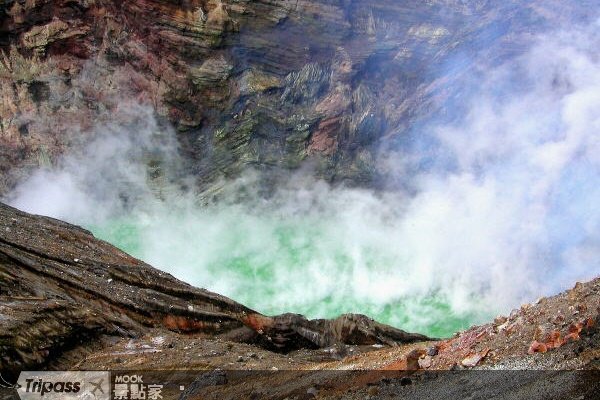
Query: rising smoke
[[501, 207]]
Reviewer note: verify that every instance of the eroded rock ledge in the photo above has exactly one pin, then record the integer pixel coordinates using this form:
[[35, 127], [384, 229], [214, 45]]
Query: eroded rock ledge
[[61, 288]]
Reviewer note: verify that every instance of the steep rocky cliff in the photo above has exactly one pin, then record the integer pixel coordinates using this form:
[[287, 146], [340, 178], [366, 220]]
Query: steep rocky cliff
[[267, 84]]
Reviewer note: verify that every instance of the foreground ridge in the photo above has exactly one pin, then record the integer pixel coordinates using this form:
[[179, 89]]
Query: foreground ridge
[[69, 301], [61, 288]]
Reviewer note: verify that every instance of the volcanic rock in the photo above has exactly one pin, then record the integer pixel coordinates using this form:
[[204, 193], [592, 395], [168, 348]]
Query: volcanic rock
[[69, 301], [50, 303], [267, 84]]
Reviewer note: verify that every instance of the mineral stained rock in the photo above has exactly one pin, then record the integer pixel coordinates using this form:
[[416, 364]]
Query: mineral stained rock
[[267, 84], [61, 288]]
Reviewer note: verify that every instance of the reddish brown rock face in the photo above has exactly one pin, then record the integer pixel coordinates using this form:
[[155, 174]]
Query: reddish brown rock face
[[260, 83]]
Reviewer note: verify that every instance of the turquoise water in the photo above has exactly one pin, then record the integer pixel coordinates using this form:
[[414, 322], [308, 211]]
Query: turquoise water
[[302, 264], [494, 208]]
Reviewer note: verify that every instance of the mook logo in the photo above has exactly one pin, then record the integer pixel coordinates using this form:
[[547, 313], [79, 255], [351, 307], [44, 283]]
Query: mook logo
[[133, 387], [51, 385]]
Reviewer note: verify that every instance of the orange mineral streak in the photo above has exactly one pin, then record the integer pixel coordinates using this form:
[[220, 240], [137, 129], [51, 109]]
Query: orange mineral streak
[[554, 340], [183, 324], [537, 347], [257, 322], [409, 362]]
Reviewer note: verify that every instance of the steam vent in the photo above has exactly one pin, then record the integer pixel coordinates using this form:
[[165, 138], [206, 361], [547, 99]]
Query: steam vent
[[299, 199]]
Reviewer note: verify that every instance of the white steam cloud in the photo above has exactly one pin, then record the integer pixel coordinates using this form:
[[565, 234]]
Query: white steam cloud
[[108, 176], [503, 207]]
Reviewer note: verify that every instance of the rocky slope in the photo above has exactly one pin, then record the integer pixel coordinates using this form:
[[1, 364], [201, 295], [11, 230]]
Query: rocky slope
[[61, 288], [267, 84], [69, 301]]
